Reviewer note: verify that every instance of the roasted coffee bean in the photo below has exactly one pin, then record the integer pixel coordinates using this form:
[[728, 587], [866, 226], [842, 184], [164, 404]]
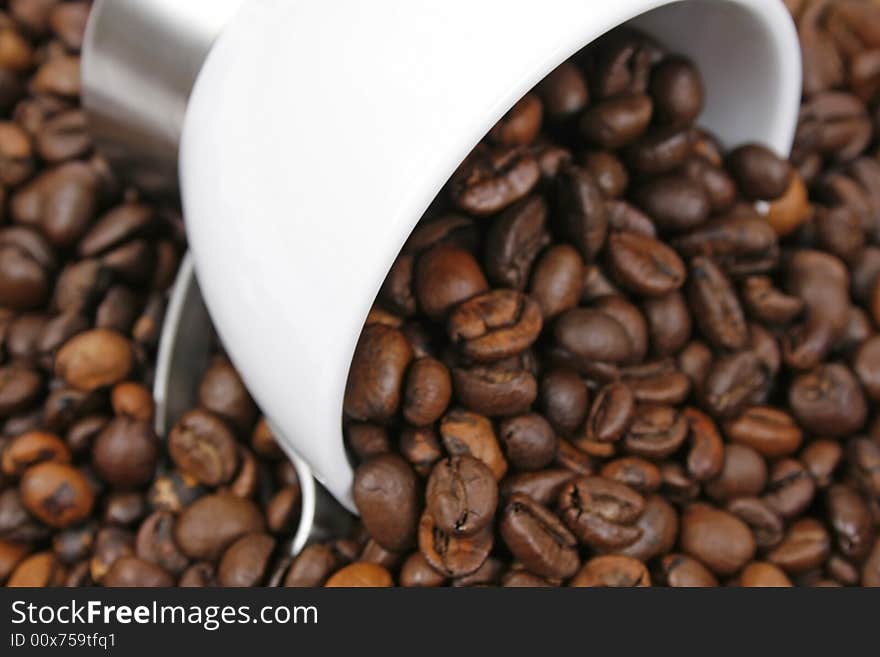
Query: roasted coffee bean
[[543, 486], [821, 458], [766, 525], [311, 567], [212, 523], [445, 276], [806, 545], [198, 575], [453, 556], [716, 538], [471, 434], [660, 151], [529, 441], [715, 181], [564, 399], [828, 401], [428, 391], [521, 124], [601, 512], [608, 171], [850, 520], [612, 571], [222, 392], [863, 456], [624, 217], [461, 495], [759, 173], [657, 382], [656, 431], [623, 62], [246, 561], [716, 306], [741, 243], [611, 414], [677, 485], [94, 359], [743, 474], [155, 543], [731, 382], [580, 216], [513, 241], [617, 121], [564, 91], [56, 493], [495, 390], [133, 572], [557, 280], [706, 456], [538, 539], [33, 447], [491, 180], [125, 453], [769, 431], [416, 572], [421, 448], [763, 575], [201, 445], [361, 574], [766, 303], [592, 334], [644, 265], [38, 570], [659, 529], [385, 492], [677, 89], [669, 322], [790, 488], [682, 571], [635, 472], [495, 325], [374, 384], [674, 202]]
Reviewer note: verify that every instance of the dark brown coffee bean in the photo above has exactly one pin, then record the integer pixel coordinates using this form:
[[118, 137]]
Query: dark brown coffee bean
[[716, 538], [428, 391], [759, 173], [608, 171], [850, 520], [542, 486], [199, 575], [222, 392], [376, 377], [131, 571], [74, 544], [677, 90], [766, 303], [471, 434], [863, 456], [716, 306], [659, 529], [769, 431], [674, 202], [612, 570], [656, 431], [828, 401], [125, 453], [495, 390], [491, 180], [202, 446], [64, 137], [661, 150], [557, 280], [669, 322], [717, 183], [30, 448], [580, 216], [461, 495], [592, 334], [538, 539], [445, 276], [529, 441], [94, 359], [385, 492], [564, 92], [645, 265], [495, 325], [611, 414], [453, 556], [521, 124], [513, 242], [311, 567], [657, 382], [617, 121], [155, 543], [417, 572], [624, 217], [421, 448], [246, 561], [806, 545], [212, 523], [706, 456], [682, 571], [564, 399], [731, 382], [56, 493], [637, 473], [743, 474], [741, 243], [623, 62], [821, 458], [766, 525], [602, 513], [790, 488]]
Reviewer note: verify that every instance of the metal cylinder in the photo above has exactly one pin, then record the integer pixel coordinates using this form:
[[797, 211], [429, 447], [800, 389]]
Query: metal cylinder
[[140, 60]]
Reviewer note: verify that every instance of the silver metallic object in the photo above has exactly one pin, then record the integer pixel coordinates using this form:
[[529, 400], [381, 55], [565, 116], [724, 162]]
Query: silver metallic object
[[140, 60], [184, 350]]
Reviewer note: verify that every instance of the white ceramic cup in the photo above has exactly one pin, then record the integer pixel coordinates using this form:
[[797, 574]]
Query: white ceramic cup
[[318, 133]]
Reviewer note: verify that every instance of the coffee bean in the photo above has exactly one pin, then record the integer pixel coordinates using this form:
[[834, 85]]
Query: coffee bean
[[601, 512], [31, 448], [743, 474], [790, 488], [674, 202], [769, 431], [495, 390], [416, 572], [453, 556], [212, 523], [445, 276], [682, 571], [495, 325], [656, 431], [461, 495], [611, 414], [543, 486], [513, 241], [821, 458], [374, 384], [56, 493], [805, 546], [763, 575], [385, 492], [593, 335], [94, 359], [557, 280], [538, 539], [759, 173], [740, 242], [564, 92], [617, 121], [766, 525], [580, 216], [731, 382], [222, 392], [202, 446], [529, 441], [471, 434], [669, 322], [134, 572], [564, 399], [850, 521], [609, 172], [633, 471], [716, 306], [828, 401], [125, 453], [521, 124], [644, 265], [245, 562], [863, 456], [155, 543], [677, 89], [491, 180], [38, 570], [612, 571], [716, 538], [716, 182], [359, 575], [658, 525]]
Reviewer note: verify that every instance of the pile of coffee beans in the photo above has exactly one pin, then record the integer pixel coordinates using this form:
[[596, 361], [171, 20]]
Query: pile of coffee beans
[[614, 353], [88, 492]]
